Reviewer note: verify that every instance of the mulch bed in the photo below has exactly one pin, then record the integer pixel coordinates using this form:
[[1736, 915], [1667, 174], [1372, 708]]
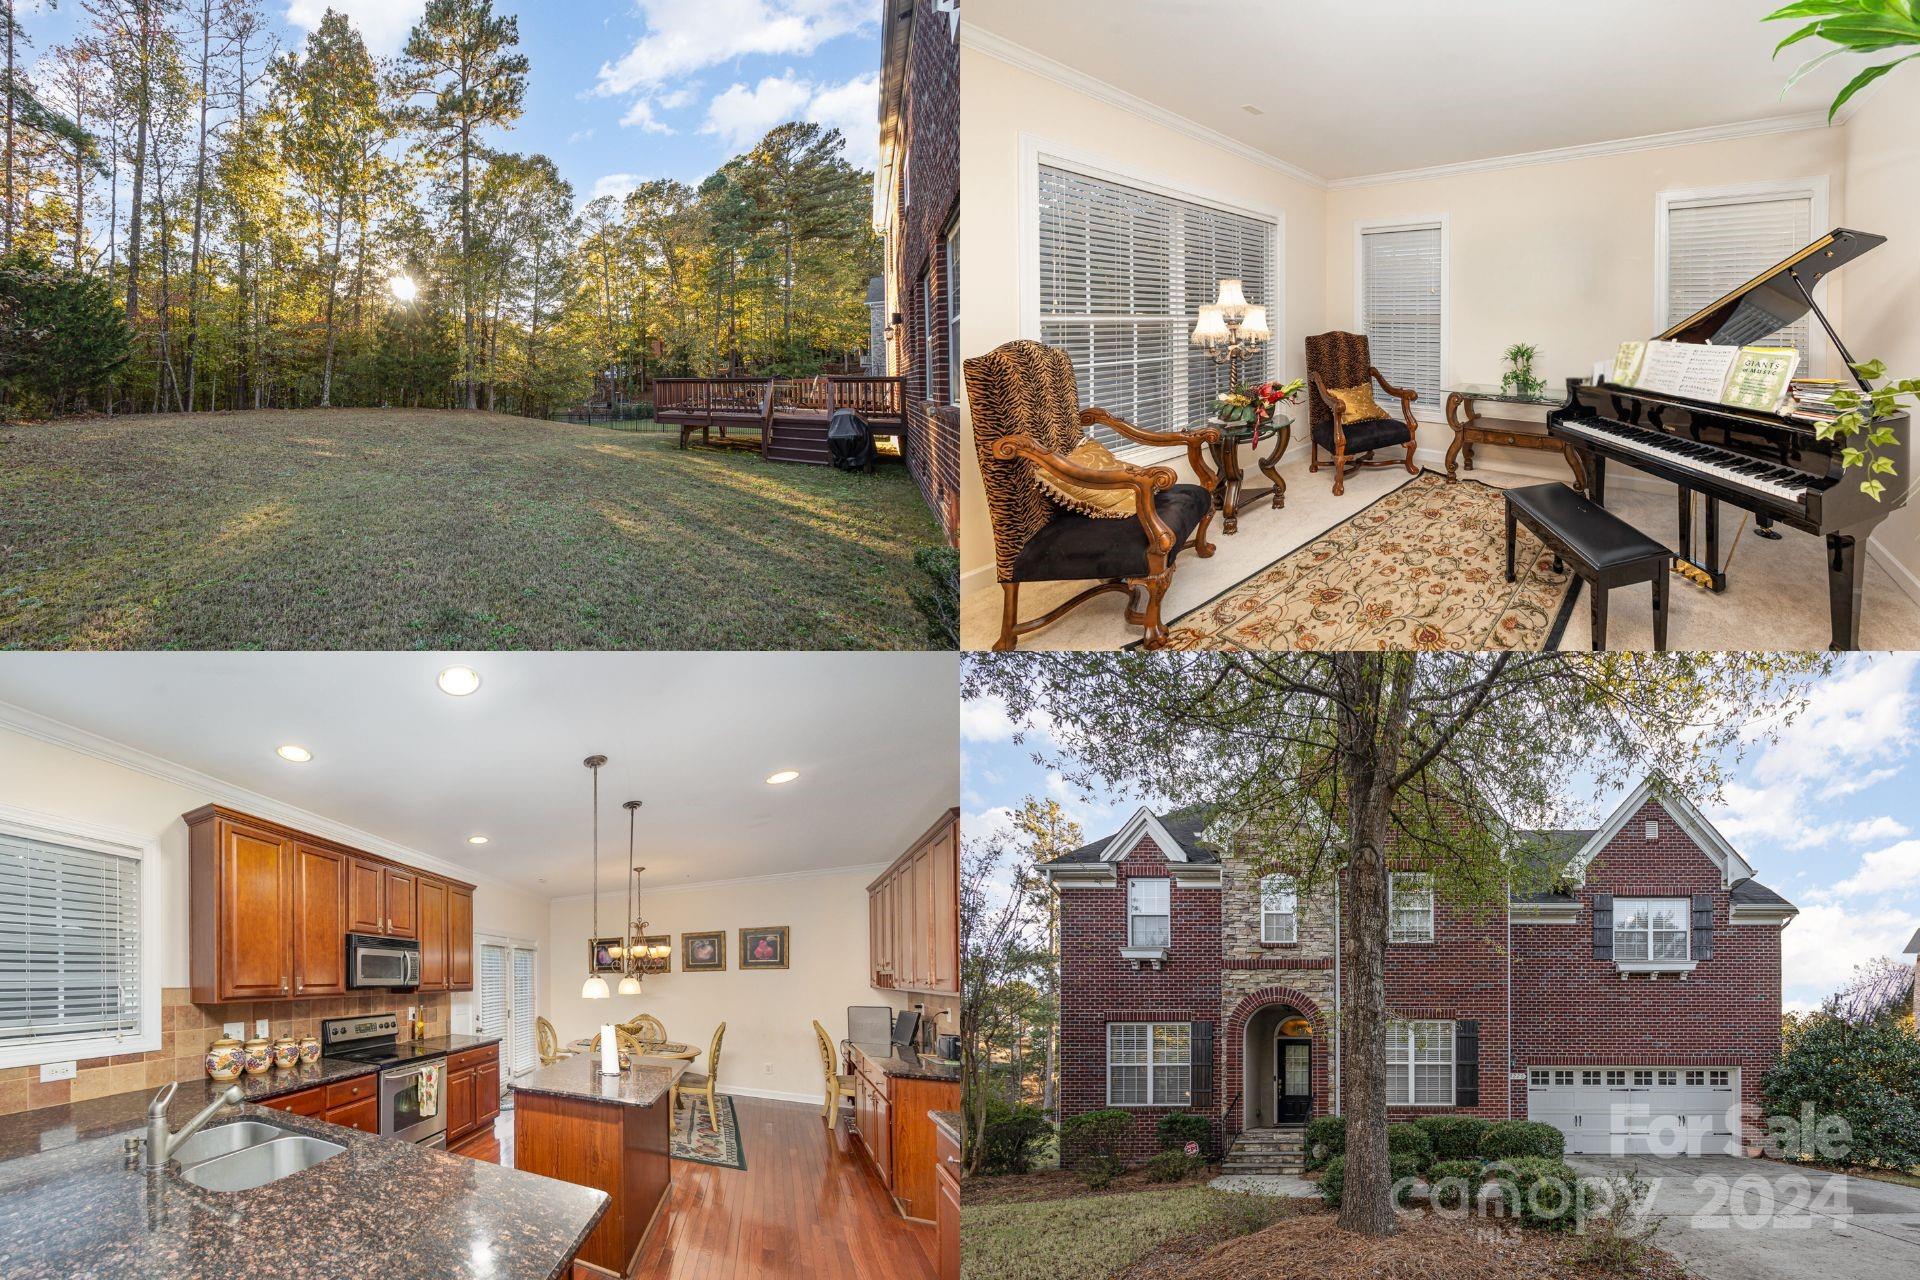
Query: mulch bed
[[1426, 1248]]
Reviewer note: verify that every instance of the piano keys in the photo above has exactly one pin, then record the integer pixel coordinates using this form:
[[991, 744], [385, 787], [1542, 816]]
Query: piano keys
[[1771, 464]]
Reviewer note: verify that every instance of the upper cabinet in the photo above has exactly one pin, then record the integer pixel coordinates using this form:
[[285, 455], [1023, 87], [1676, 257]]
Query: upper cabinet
[[913, 915], [270, 908]]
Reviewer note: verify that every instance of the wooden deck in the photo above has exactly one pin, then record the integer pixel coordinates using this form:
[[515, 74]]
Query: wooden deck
[[781, 419]]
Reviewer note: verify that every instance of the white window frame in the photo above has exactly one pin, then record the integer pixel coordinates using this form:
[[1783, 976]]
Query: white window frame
[[1394, 934], [1649, 961], [1150, 1064], [1279, 926], [149, 1035], [926, 332], [949, 260], [1422, 411], [1408, 1061], [1037, 153], [1815, 188], [1132, 915]]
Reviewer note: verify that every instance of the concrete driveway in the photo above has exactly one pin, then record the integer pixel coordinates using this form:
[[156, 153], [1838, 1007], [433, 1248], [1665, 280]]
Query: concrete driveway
[[1731, 1218]]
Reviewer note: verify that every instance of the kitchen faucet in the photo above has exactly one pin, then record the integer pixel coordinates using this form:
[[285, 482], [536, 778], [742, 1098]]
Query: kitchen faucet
[[160, 1143]]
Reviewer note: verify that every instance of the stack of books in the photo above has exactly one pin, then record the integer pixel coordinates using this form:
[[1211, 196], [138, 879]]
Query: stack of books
[[1811, 399]]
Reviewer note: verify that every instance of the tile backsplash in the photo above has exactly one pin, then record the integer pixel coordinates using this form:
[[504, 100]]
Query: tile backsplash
[[190, 1029]]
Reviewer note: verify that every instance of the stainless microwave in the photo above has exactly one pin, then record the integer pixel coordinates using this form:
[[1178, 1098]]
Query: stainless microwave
[[376, 962]]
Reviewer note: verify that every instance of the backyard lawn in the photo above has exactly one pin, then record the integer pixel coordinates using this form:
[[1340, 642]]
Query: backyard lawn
[[395, 529]]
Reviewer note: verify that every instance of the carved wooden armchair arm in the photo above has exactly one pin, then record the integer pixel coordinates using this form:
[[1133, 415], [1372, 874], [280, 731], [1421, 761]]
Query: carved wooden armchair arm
[[1406, 398], [1193, 440], [1144, 481]]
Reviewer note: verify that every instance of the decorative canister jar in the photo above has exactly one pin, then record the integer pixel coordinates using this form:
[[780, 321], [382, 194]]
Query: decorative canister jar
[[225, 1059], [259, 1056], [286, 1052], [309, 1049]]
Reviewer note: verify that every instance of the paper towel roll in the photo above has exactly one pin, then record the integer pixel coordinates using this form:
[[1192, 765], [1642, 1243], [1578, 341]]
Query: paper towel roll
[[609, 1052]]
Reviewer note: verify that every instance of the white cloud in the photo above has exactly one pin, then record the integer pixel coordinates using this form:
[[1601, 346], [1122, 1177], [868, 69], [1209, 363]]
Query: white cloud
[[1777, 814], [987, 720], [1862, 715], [640, 116], [854, 109], [1884, 870], [682, 38], [1821, 948], [742, 116], [1880, 828], [616, 185], [383, 24], [991, 825]]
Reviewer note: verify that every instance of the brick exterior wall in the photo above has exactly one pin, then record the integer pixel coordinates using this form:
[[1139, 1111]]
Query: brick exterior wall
[[1570, 1009], [929, 155], [1460, 976]]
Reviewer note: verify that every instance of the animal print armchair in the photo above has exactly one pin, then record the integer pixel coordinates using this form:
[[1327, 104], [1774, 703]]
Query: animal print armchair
[[1345, 419], [1062, 518]]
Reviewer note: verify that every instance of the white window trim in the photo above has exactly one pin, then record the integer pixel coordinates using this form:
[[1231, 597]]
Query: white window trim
[[149, 1035], [1453, 1061], [1151, 1103], [1821, 223], [1422, 412], [954, 369], [1431, 901], [1132, 949], [1037, 153], [1651, 965], [1293, 935]]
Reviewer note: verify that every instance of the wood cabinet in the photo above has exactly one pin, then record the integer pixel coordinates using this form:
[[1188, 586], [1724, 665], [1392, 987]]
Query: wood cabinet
[[897, 1133], [354, 1103], [472, 1090], [913, 915], [269, 909], [946, 1194]]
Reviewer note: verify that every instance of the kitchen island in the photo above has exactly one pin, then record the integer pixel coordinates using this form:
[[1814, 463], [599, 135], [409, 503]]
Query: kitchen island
[[611, 1133], [72, 1205]]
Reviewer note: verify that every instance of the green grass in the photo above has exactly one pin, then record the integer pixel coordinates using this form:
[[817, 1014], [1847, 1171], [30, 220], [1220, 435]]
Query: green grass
[[1093, 1237], [395, 529]]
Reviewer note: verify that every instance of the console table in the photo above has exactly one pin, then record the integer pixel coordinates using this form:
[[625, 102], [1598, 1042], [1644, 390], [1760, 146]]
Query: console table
[[1229, 499], [1470, 428]]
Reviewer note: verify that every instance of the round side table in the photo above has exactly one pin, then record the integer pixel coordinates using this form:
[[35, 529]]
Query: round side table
[[1229, 498]]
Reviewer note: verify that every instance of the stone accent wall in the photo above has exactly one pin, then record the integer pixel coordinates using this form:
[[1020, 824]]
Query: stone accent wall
[[1257, 975]]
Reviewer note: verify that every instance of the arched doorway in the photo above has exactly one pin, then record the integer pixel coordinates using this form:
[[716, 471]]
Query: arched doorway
[[1280, 1058]]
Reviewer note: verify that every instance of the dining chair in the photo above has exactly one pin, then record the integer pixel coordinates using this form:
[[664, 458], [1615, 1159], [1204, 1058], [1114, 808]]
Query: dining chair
[[703, 1082], [646, 1027], [838, 1086], [548, 1042]]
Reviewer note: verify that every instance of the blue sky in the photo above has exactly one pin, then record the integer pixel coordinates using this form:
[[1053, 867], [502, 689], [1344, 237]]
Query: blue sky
[[626, 90], [1828, 813]]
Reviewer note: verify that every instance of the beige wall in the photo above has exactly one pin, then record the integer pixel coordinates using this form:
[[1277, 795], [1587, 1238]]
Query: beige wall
[[769, 1049], [1883, 290]]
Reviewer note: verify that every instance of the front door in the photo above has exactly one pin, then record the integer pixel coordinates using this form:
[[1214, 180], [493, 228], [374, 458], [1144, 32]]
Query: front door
[[1293, 1085]]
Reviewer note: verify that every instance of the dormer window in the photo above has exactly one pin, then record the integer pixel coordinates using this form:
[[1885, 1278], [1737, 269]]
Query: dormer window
[[1279, 910], [1410, 906], [1148, 912], [1650, 929]]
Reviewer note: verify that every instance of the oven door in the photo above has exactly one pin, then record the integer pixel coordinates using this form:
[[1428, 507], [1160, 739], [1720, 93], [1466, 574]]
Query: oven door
[[404, 1110]]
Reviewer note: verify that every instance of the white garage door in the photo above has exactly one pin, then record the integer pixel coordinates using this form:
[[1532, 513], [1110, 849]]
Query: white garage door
[[1638, 1110]]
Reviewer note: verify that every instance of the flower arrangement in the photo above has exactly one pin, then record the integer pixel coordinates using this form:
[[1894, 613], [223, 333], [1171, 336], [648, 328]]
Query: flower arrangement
[[1256, 405]]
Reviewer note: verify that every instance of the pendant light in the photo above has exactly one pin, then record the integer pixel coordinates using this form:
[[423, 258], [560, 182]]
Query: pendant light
[[595, 987], [630, 980]]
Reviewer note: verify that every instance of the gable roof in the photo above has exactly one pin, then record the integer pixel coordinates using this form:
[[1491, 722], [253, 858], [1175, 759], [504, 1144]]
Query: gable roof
[[1913, 948], [1177, 833], [1733, 867]]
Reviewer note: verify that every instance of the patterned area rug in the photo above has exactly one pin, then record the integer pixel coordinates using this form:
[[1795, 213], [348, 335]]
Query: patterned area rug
[[710, 1145], [1422, 568]]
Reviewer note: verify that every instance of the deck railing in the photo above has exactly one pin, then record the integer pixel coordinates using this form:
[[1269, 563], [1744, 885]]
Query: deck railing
[[870, 397]]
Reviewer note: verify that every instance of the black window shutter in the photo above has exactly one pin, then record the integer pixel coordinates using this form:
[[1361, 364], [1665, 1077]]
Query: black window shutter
[[1202, 1050], [1703, 926], [1603, 926], [1466, 1064]]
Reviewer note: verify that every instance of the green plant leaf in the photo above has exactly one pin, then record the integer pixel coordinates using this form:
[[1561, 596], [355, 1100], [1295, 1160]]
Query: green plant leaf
[[1881, 437], [1811, 65], [1870, 370], [1883, 467], [1812, 9], [1873, 488], [1851, 457], [1811, 29], [1861, 81]]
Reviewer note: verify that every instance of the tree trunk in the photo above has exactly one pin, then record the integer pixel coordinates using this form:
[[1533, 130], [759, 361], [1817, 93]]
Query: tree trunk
[[466, 248], [333, 287], [6, 196], [143, 108], [199, 205]]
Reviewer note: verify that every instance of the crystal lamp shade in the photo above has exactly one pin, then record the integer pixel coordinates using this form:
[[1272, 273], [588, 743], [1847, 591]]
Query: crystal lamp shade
[[1255, 325], [594, 988], [1211, 329], [1232, 299]]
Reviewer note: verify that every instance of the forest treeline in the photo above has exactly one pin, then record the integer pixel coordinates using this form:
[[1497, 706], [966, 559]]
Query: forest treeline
[[194, 218]]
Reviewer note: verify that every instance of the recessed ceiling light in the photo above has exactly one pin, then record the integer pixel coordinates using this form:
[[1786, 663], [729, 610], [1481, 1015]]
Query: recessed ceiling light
[[458, 681], [785, 775], [299, 755], [1251, 110], [476, 839]]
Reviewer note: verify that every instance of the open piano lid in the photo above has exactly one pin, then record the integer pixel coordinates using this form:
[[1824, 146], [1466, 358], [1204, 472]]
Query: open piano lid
[[1772, 300]]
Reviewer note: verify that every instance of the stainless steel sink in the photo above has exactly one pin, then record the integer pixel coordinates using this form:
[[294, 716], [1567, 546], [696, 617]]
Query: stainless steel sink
[[222, 1139], [261, 1162]]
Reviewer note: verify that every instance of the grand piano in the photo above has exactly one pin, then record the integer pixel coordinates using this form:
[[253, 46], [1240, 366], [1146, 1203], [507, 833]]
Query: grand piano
[[1770, 464]]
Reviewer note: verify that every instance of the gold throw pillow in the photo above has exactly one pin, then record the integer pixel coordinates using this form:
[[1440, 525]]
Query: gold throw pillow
[[1101, 504], [1357, 403]]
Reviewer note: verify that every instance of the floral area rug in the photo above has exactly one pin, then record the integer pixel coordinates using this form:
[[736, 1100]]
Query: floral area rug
[[711, 1144], [1422, 568]]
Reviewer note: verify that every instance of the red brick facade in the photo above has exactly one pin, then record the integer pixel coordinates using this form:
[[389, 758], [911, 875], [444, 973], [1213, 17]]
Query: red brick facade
[[920, 185], [1568, 1008]]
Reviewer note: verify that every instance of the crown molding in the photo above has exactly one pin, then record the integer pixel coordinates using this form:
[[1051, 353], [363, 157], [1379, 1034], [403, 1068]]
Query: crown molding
[[868, 869], [998, 47], [58, 733]]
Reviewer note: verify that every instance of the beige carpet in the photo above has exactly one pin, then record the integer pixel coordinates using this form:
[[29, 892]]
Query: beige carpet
[[1776, 597], [1422, 568]]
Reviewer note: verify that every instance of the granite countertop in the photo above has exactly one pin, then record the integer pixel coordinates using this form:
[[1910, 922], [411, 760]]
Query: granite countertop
[[457, 1044], [948, 1122], [903, 1063], [69, 1206], [579, 1077]]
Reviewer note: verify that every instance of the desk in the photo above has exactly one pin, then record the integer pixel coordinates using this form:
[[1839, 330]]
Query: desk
[[1469, 428]]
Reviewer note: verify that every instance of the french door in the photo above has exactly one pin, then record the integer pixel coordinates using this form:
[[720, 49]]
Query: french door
[[506, 985]]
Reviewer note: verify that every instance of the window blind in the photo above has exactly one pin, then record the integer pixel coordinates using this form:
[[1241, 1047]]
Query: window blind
[[1718, 244], [69, 942], [523, 1011], [1123, 275], [493, 989], [1401, 308]]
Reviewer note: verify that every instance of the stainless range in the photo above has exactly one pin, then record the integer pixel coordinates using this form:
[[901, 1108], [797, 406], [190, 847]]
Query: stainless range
[[374, 1038]]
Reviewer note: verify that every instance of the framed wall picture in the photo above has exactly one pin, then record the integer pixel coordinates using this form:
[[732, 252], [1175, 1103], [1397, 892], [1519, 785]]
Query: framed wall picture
[[656, 953], [764, 948], [600, 957], [703, 952]]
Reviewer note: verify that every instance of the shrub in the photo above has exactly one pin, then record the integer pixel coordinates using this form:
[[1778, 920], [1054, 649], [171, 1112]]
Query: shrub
[[1517, 1139], [1094, 1138], [1173, 1166], [1333, 1180], [1451, 1183], [1539, 1191], [1402, 1169], [1013, 1138], [938, 599], [1098, 1172], [1454, 1137], [1326, 1138], [1179, 1128], [1617, 1231], [1410, 1140], [1866, 1074]]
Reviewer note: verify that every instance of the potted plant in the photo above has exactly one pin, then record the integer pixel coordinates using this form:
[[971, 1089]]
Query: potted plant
[[1852, 26], [1518, 380]]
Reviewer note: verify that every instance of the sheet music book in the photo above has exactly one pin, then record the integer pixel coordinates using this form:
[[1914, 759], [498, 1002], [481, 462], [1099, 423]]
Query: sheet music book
[[1695, 370], [1627, 362], [1761, 377]]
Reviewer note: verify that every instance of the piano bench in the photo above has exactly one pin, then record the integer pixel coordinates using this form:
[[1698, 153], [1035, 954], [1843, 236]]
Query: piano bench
[[1603, 550]]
